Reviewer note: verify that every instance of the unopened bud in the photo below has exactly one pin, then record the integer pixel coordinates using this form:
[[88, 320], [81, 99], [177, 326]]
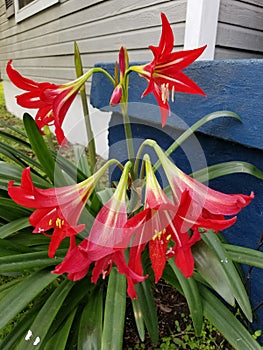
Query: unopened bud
[[116, 95]]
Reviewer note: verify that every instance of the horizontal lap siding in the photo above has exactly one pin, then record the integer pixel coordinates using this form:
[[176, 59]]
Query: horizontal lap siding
[[240, 29], [42, 46]]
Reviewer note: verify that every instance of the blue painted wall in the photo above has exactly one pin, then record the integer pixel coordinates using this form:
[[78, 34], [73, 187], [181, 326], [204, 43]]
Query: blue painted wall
[[234, 85]]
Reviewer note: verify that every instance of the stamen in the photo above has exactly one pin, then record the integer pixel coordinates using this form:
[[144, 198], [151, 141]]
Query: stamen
[[50, 222], [172, 94], [104, 274], [163, 92], [168, 237], [59, 223], [158, 234], [166, 93]]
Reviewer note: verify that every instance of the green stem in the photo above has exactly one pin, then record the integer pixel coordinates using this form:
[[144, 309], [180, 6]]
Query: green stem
[[81, 78], [128, 132], [90, 135], [147, 142], [126, 121]]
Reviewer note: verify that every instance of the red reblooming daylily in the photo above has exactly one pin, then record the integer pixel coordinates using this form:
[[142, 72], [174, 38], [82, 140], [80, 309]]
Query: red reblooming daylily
[[51, 100], [164, 73], [56, 208], [105, 244]]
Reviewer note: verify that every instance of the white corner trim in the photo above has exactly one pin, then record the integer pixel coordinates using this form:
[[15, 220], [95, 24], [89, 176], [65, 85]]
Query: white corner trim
[[201, 26], [32, 8]]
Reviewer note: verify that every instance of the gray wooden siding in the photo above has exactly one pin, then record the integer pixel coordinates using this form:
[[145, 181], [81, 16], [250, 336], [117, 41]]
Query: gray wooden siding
[[240, 29], [42, 45]]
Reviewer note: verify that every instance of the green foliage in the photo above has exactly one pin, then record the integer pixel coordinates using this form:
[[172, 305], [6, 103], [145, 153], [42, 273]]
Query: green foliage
[[79, 315], [183, 336]]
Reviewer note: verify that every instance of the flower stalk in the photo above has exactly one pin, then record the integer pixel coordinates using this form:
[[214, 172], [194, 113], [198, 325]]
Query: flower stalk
[[90, 135]]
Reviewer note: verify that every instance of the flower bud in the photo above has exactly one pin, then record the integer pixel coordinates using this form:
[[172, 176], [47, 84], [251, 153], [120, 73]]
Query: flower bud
[[116, 95]]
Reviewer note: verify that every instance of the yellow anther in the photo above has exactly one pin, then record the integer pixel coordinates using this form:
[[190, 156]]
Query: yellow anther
[[168, 237], [158, 234], [59, 223], [50, 222]]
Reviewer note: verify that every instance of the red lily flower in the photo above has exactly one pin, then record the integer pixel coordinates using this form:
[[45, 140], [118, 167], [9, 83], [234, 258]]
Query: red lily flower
[[51, 100], [105, 244], [166, 226], [164, 74], [210, 203], [150, 225], [56, 208]]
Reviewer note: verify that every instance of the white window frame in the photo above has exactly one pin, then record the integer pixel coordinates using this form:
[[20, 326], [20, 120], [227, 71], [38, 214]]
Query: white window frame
[[32, 8]]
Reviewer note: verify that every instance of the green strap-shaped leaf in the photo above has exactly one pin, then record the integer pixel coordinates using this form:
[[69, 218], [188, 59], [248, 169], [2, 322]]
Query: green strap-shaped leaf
[[81, 156], [210, 268], [235, 282], [10, 211], [27, 239], [16, 155], [9, 247], [23, 262], [90, 327], [46, 315], [191, 292], [13, 172], [139, 321], [227, 324], [6, 287], [13, 128], [17, 140], [77, 296], [39, 146], [13, 226], [227, 168], [22, 294], [219, 315], [114, 314], [69, 168], [190, 131], [207, 118], [244, 255], [21, 328], [148, 309], [60, 338]]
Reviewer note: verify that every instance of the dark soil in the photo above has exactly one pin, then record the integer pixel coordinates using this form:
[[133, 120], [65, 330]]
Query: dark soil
[[170, 307]]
